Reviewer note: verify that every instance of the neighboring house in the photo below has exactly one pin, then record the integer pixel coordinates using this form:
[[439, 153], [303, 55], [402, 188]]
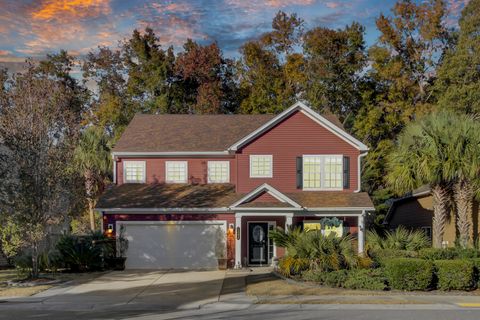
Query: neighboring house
[[191, 189], [415, 211]]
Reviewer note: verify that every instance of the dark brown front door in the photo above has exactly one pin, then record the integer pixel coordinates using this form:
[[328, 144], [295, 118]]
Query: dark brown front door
[[258, 243]]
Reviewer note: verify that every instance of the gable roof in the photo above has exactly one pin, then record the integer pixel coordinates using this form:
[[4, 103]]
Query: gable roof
[[323, 120], [422, 191], [133, 196], [268, 189], [187, 132], [177, 133]]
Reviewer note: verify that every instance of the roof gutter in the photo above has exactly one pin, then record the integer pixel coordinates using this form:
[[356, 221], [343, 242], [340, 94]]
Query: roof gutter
[[169, 154]]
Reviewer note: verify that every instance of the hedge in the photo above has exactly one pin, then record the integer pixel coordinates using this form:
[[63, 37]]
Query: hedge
[[367, 279], [455, 274], [380, 256], [448, 253], [409, 274]]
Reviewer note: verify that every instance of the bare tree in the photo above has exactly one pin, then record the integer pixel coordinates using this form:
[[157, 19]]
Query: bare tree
[[38, 126]]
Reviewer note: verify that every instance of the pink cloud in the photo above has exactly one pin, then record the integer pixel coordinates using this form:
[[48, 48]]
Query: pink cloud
[[254, 6], [333, 5], [5, 52]]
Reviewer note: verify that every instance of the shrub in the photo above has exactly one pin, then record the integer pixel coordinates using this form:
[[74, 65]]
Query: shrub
[[314, 276], [365, 263], [80, 253], [399, 239], [448, 253], [467, 253], [367, 279], [455, 274], [437, 254], [380, 256], [310, 249], [409, 274], [335, 279]]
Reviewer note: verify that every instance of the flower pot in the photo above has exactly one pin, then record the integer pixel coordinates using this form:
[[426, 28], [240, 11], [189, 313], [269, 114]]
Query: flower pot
[[116, 263], [222, 263]]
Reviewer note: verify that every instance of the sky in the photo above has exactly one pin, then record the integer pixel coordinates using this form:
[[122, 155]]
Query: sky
[[33, 28]]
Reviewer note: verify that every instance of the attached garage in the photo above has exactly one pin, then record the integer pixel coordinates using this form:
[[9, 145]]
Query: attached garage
[[174, 244]]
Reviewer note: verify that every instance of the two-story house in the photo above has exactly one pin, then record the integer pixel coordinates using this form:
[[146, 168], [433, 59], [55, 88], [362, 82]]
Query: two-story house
[[190, 189]]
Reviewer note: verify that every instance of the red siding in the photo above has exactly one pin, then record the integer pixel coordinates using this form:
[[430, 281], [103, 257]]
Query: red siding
[[265, 197], [295, 136], [197, 169]]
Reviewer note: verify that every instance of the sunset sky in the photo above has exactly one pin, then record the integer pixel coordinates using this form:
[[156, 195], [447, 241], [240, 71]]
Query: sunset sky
[[36, 27]]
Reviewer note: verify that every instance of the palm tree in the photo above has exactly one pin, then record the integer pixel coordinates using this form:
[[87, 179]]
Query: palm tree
[[421, 157], [92, 160], [465, 150]]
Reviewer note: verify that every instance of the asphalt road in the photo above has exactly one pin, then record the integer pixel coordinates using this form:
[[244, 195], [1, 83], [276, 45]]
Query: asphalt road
[[261, 312]]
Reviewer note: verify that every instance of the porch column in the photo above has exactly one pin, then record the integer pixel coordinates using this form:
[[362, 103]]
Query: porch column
[[238, 241], [288, 221], [361, 233]]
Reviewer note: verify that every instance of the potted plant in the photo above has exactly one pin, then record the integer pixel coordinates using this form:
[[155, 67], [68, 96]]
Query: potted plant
[[220, 251], [118, 262], [222, 261]]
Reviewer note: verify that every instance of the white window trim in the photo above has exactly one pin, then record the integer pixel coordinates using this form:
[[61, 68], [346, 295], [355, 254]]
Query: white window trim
[[186, 172], [228, 171], [322, 173], [125, 171], [271, 165]]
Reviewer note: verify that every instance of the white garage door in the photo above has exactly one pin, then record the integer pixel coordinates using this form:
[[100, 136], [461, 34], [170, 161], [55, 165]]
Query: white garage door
[[175, 245]]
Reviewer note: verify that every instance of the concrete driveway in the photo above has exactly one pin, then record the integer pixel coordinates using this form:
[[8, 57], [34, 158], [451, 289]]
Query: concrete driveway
[[139, 290]]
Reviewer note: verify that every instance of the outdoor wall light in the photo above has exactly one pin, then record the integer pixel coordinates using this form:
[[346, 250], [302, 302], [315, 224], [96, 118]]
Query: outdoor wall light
[[110, 229], [238, 233]]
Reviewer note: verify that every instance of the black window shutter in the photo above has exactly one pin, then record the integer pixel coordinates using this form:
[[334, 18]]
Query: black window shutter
[[299, 172], [346, 172]]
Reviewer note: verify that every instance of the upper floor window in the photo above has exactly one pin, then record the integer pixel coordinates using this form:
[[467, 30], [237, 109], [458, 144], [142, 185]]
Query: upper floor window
[[322, 172], [218, 171], [176, 171], [261, 166], [134, 171]]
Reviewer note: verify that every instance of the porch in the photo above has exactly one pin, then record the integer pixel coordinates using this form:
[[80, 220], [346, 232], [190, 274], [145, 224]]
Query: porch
[[254, 248]]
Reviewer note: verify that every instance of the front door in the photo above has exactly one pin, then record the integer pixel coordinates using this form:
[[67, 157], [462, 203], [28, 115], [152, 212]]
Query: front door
[[258, 243]]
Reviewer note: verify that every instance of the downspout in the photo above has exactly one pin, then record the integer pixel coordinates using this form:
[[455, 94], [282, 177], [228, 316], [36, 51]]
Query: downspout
[[114, 169], [359, 170]]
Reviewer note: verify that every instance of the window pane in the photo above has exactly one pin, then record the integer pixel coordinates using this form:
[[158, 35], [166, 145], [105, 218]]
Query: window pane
[[260, 166], [322, 172], [218, 172], [176, 171], [134, 171], [312, 172], [333, 172]]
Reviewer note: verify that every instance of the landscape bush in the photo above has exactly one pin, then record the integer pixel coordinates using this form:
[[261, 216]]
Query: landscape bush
[[409, 274], [84, 253], [438, 254], [455, 274], [335, 279], [366, 279], [448, 253], [380, 256], [399, 239], [312, 250]]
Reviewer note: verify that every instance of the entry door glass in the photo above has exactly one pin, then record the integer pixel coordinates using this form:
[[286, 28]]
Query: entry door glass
[[258, 243]]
